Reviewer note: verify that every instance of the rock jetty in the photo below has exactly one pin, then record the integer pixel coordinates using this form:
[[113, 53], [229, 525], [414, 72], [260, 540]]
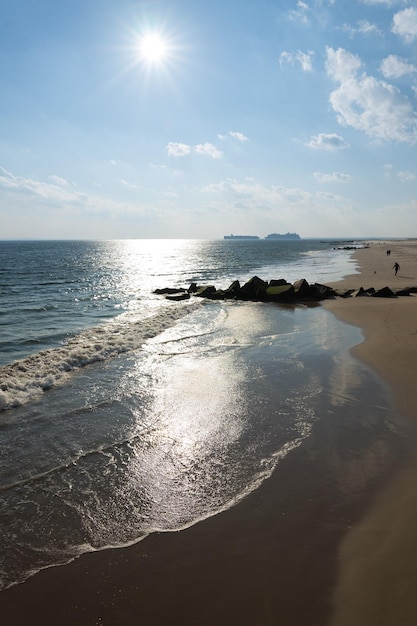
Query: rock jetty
[[277, 290]]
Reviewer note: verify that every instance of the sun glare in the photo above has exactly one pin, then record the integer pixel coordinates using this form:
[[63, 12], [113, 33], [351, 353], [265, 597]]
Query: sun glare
[[155, 51], [153, 48]]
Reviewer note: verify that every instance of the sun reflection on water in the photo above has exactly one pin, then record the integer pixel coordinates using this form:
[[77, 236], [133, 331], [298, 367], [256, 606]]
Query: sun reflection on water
[[197, 414]]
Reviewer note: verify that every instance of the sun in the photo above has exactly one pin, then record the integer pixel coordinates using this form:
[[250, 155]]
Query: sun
[[153, 48], [156, 51]]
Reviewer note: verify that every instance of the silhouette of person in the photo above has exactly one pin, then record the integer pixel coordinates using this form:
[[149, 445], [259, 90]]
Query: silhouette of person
[[388, 252], [396, 267]]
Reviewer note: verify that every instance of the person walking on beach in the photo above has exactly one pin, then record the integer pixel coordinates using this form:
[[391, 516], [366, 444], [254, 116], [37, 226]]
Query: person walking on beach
[[396, 267]]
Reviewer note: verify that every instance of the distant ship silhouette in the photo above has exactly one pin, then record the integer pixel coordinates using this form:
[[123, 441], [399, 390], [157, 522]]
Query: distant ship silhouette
[[287, 236]]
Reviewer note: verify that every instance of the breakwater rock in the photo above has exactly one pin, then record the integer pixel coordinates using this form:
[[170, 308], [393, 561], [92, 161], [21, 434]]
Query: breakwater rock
[[277, 290]]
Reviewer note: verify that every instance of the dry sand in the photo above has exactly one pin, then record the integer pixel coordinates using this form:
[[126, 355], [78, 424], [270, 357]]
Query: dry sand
[[377, 573]]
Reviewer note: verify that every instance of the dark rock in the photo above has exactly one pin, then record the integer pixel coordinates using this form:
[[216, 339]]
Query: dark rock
[[385, 292], [254, 289], [233, 290], [183, 295], [280, 292], [343, 293], [302, 289], [166, 290], [205, 292], [359, 293], [277, 290], [407, 291], [218, 294], [321, 292]]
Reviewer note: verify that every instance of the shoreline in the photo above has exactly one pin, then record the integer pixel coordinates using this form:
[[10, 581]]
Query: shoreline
[[377, 572], [269, 559], [298, 550]]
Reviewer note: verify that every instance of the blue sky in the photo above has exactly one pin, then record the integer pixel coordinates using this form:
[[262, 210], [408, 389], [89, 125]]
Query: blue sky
[[256, 117]]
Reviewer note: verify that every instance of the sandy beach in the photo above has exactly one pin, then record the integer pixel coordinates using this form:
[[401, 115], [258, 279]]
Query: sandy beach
[[377, 573], [299, 550]]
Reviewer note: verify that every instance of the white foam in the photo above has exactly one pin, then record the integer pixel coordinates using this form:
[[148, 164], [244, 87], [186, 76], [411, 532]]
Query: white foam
[[25, 380]]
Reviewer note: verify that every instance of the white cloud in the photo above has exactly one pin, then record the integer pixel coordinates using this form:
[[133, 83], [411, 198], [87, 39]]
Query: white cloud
[[238, 136], [395, 67], [341, 64], [327, 141], [303, 58], [334, 177], [183, 149], [235, 135], [367, 104], [407, 177], [209, 150], [178, 149], [405, 24]]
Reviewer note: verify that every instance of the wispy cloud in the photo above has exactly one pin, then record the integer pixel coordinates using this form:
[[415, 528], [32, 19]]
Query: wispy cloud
[[58, 195], [389, 3], [235, 135], [300, 13], [251, 193], [363, 27], [57, 180], [249, 199], [182, 149], [367, 104], [56, 189], [407, 177], [304, 59], [327, 141], [128, 184], [116, 163], [333, 177], [388, 169]]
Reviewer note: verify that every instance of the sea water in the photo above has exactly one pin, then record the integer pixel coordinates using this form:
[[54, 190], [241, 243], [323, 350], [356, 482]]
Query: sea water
[[124, 414]]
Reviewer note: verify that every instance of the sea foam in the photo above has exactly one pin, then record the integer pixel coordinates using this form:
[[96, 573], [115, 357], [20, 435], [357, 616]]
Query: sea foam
[[25, 380]]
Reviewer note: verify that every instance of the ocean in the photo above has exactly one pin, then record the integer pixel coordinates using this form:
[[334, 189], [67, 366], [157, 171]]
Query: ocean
[[123, 414]]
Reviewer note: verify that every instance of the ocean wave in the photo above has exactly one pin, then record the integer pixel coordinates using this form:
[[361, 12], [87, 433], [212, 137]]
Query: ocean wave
[[25, 380], [72, 461]]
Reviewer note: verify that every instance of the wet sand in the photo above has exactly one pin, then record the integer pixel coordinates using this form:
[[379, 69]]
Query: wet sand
[[270, 560], [377, 567], [300, 549]]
